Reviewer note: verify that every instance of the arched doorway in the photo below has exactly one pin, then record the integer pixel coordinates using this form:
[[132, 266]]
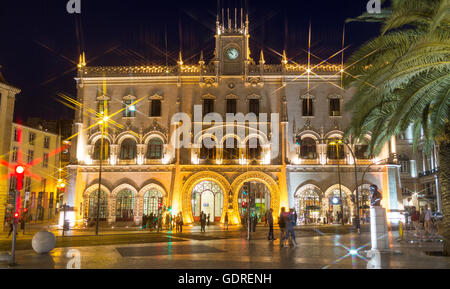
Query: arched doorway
[[332, 203], [92, 207], [307, 205], [151, 200], [257, 191], [125, 206], [207, 197]]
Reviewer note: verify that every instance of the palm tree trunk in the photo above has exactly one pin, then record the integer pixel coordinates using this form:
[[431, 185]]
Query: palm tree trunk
[[444, 180]]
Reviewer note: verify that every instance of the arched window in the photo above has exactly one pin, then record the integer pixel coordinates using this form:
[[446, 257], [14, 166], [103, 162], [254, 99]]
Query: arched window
[[308, 149], [97, 147], [254, 149], [208, 149], [93, 201], [333, 149], [230, 150], [151, 199], [125, 206], [128, 149], [154, 149], [361, 150]]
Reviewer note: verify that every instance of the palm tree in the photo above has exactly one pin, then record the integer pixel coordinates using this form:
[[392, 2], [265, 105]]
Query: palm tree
[[402, 79]]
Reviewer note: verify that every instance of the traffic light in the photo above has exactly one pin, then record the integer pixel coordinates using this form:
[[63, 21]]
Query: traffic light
[[16, 217], [159, 203], [25, 210], [298, 140], [244, 204], [19, 176]]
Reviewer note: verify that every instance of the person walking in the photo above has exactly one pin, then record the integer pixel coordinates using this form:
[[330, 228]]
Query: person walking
[[269, 218], [209, 219], [226, 220], [22, 224], [282, 223], [428, 220], [415, 218], [290, 227], [11, 228]]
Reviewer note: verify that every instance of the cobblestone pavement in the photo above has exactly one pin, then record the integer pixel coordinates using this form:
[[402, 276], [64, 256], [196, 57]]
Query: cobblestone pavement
[[314, 251]]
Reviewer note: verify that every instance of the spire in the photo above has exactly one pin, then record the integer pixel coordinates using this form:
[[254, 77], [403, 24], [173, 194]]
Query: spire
[[180, 59], [82, 61], [202, 61], [261, 58], [284, 60]]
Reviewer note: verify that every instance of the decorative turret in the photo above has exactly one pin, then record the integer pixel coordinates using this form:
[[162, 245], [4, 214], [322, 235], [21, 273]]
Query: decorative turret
[[261, 58], [201, 61]]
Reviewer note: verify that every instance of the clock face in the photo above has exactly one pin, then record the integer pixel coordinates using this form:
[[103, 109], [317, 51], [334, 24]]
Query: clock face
[[232, 53]]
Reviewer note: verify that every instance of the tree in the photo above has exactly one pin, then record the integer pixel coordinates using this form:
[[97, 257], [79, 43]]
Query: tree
[[402, 79]]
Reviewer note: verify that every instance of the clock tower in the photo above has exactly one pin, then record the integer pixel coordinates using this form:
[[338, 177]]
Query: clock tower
[[232, 50]]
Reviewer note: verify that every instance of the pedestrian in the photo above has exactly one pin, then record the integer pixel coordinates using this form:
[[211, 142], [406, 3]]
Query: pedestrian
[[22, 224], [226, 220], [11, 228], [415, 218], [144, 221], [202, 222], [269, 219], [168, 221], [208, 219], [266, 216], [428, 220], [181, 222], [282, 224], [290, 227]]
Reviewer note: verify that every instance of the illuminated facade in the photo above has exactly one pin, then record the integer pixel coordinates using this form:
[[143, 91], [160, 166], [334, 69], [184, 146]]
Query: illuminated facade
[[7, 97], [37, 150], [142, 163]]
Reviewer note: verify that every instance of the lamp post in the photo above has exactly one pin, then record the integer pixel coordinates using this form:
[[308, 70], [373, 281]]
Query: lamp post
[[336, 143], [102, 126]]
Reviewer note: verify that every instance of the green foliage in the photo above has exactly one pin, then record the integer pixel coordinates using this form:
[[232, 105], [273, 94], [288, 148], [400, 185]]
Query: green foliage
[[402, 77]]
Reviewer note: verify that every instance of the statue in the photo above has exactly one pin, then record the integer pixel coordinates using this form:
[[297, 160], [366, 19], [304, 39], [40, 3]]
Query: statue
[[375, 196]]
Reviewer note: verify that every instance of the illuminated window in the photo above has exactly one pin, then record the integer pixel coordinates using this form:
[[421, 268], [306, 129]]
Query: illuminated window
[[129, 108], [93, 201], [125, 206], [103, 107], [45, 160], [335, 151], [128, 150], [97, 147], [308, 149], [154, 149], [151, 199]]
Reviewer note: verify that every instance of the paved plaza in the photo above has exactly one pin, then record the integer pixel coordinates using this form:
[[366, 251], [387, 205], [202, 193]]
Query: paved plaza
[[218, 249]]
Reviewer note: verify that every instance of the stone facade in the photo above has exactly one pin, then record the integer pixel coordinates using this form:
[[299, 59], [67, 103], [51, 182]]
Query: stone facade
[[301, 102], [7, 97]]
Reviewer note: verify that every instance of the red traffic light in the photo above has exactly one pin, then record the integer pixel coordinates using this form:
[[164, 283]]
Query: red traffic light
[[20, 170], [25, 210], [244, 204], [19, 175], [16, 215]]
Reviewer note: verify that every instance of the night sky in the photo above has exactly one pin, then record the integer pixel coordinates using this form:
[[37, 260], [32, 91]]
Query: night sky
[[41, 42]]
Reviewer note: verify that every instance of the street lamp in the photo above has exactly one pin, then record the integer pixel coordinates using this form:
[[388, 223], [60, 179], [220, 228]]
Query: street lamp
[[102, 124], [339, 141], [336, 143]]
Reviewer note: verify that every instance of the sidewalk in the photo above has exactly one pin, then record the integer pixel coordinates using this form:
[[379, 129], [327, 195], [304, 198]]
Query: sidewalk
[[313, 252]]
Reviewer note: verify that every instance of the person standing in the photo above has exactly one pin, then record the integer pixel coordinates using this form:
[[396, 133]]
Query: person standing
[[428, 220], [22, 224], [290, 227], [282, 224], [181, 222], [209, 219], [226, 220], [202, 222], [269, 218]]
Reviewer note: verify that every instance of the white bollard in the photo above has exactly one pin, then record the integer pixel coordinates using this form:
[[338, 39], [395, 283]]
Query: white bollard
[[378, 229]]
